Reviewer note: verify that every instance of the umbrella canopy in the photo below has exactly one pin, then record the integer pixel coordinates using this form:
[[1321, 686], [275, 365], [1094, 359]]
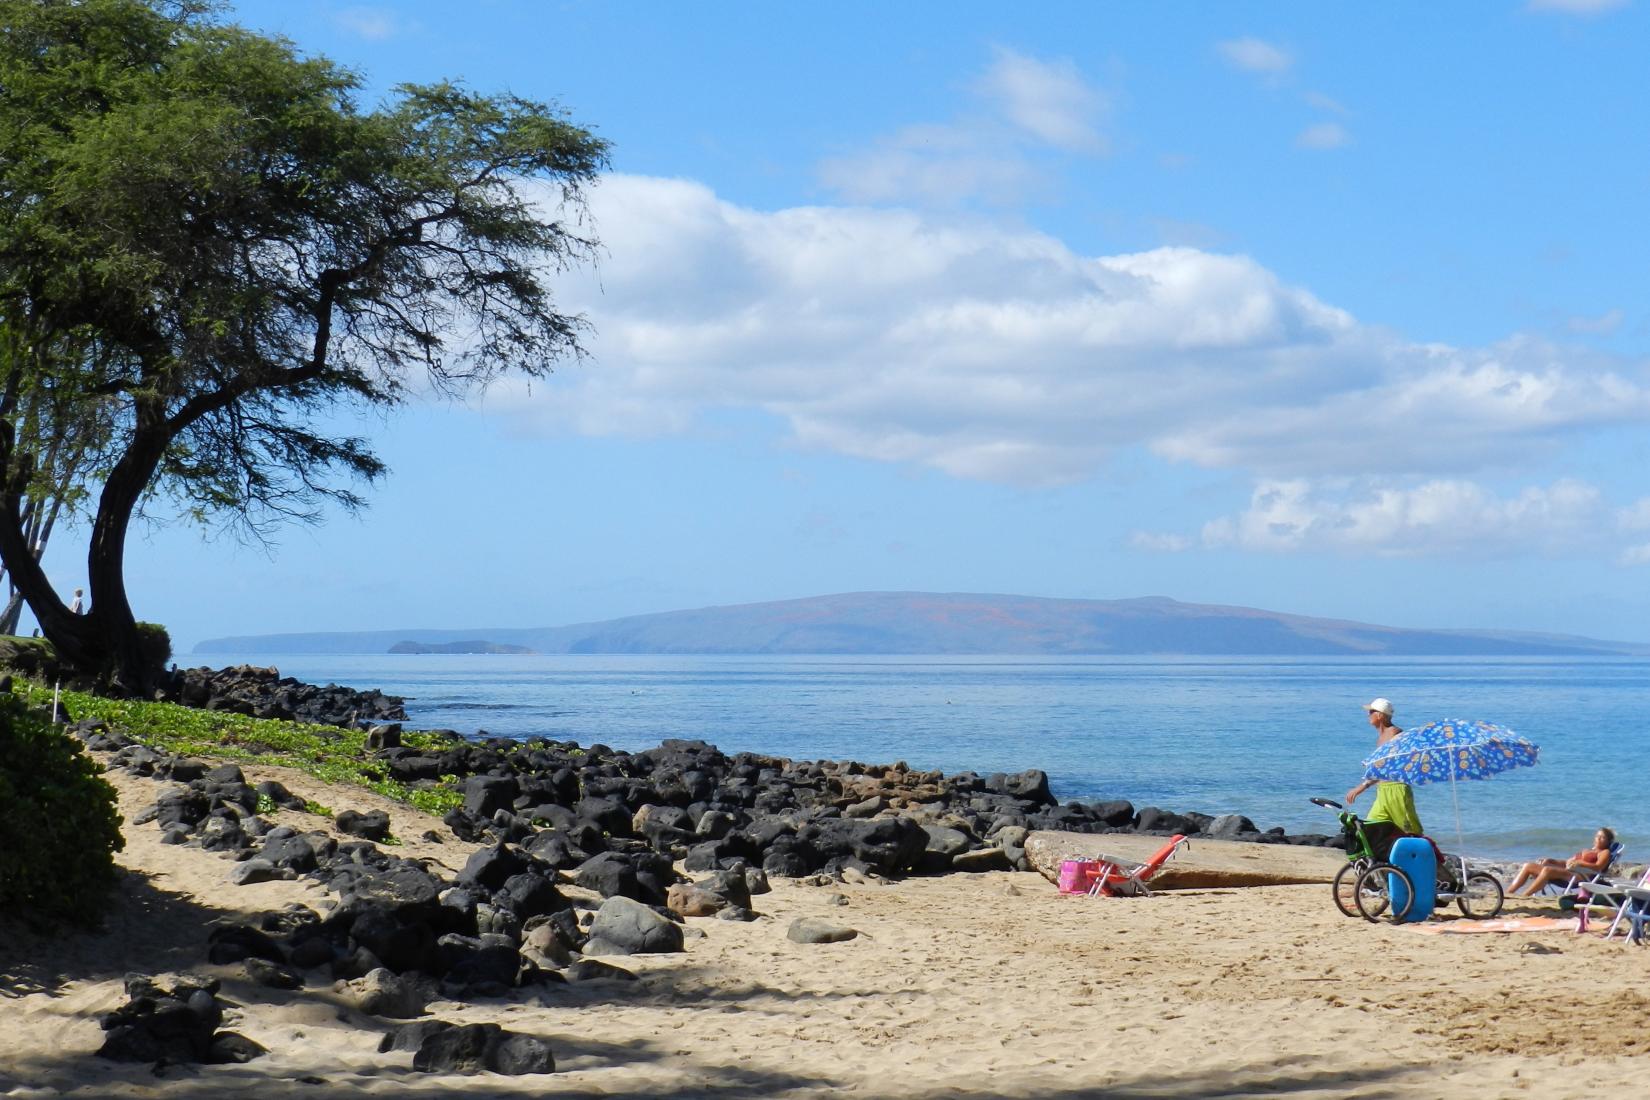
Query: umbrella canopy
[[1451, 750]]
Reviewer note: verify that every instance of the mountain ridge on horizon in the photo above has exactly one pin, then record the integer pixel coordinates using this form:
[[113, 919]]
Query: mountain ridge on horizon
[[978, 624]]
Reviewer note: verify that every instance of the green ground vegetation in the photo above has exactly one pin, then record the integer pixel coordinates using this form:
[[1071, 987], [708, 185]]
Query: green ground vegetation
[[59, 831], [328, 753]]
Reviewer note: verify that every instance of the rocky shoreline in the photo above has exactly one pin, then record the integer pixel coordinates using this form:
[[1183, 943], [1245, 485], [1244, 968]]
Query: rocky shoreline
[[689, 800], [265, 693]]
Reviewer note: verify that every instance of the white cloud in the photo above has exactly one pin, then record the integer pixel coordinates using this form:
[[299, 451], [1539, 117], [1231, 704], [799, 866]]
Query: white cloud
[[1029, 105], [1255, 55], [1435, 517], [1577, 7], [1602, 325], [1635, 516], [1324, 103], [1000, 354], [1636, 555], [936, 165], [1323, 135], [1049, 100], [374, 24]]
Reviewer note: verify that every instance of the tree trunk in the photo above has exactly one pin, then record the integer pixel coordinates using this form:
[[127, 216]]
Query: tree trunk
[[122, 660], [13, 613], [70, 634], [104, 642]]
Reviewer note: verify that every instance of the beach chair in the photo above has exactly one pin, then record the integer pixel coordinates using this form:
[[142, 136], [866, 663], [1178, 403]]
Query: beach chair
[[1636, 912], [1577, 882], [1611, 898], [1125, 878]]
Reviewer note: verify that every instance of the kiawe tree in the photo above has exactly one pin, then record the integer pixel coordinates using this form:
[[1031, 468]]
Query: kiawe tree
[[243, 247]]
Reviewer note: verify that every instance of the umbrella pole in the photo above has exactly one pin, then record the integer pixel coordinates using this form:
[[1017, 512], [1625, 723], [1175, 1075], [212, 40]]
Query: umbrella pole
[[1460, 837]]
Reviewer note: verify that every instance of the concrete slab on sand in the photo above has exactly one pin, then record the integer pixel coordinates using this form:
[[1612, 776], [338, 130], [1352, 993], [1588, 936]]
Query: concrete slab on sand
[[1202, 864]]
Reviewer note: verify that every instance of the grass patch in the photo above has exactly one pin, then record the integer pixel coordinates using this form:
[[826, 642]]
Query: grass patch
[[328, 753]]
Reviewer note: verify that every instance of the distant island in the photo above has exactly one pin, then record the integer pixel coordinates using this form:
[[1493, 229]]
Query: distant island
[[872, 623], [457, 647]]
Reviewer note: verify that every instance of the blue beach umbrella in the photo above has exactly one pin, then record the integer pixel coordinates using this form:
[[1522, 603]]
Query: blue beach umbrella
[[1453, 750]]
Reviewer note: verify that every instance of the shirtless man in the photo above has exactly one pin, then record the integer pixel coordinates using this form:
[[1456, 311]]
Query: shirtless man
[[1394, 802]]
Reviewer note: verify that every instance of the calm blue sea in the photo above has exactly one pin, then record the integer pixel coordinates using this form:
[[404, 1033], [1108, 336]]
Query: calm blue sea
[[1248, 735]]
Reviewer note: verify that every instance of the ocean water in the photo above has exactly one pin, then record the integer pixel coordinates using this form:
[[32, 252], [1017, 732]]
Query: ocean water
[[1256, 736]]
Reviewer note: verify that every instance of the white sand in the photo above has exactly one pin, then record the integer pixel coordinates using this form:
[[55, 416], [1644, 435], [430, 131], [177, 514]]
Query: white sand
[[959, 986]]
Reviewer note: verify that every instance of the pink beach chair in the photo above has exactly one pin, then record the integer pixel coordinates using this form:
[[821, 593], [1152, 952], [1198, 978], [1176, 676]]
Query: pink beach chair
[[1109, 876]]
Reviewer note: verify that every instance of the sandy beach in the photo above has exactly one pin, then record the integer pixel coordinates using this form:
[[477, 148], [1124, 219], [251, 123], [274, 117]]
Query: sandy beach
[[966, 985]]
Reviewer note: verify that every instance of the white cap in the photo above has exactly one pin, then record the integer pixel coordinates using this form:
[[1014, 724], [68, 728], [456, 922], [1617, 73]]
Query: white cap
[[1382, 705]]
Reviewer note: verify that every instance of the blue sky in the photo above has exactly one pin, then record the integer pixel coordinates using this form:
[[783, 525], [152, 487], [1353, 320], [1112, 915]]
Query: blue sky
[[1333, 309]]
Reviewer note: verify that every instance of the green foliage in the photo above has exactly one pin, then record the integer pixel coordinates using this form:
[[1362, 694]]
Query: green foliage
[[33, 657], [210, 245], [438, 800], [326, 752], [59, 829], [156, 644]]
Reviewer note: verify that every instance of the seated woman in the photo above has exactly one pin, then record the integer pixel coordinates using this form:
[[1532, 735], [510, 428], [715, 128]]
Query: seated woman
[[1544, 872]]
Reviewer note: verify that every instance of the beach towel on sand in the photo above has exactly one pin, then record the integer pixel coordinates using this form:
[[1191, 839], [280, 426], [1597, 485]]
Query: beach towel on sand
[[1505, 924]]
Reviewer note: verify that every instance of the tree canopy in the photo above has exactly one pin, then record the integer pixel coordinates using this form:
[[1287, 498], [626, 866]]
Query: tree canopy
[[208, 242]]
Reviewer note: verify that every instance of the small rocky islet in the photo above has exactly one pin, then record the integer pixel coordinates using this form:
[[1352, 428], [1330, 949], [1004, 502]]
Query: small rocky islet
[[674, 832]]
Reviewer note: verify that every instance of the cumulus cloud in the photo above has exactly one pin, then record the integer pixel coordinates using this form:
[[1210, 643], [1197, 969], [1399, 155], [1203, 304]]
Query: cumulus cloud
[[1029, 105], [1604, 324], [999, 354], [1438, 516], [1323, 135], [1256, 55], [1576, 7], [1048, 100]]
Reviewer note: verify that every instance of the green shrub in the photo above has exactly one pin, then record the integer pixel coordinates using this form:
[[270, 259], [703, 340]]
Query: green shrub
[[155, 643], [58, 827]]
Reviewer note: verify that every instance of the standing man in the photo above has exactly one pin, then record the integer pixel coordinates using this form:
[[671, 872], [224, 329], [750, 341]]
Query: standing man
[[1394, 802], [76, 607]]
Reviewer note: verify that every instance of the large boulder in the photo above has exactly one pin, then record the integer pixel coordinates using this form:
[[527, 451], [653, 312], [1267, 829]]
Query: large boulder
[[485, 795], [607, 814], [643, 876], [1230, 826], [474, 1048], [384, 993], [530, 894], [627, 927], [887, 845], [690, 900], [1027, 786], [490, 962], [372, 825], [1153, 820], [491, 867]]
